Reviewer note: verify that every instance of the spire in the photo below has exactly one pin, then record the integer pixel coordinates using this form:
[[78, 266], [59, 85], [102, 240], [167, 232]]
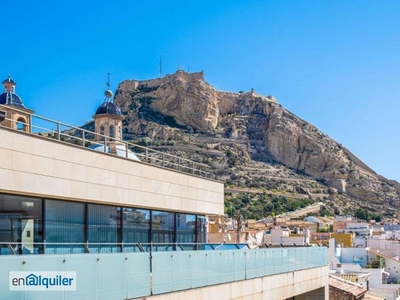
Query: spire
[[108, 93], [108, 80]]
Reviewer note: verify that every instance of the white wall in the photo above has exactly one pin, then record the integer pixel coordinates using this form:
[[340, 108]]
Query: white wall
[[389, 291], [393, 268], [376, 277], [347, 254], [381, 243], [312, 282], [298, 240], [42, 167]]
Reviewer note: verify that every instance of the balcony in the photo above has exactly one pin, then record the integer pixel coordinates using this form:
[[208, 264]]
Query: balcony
[[132, 275]]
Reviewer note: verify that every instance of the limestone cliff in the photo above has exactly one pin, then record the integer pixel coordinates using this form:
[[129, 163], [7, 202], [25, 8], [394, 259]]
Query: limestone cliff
[[182, 106]]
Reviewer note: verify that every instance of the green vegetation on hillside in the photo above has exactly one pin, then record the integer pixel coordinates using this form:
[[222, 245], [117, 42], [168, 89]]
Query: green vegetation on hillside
[[262, 205], [367, 215]]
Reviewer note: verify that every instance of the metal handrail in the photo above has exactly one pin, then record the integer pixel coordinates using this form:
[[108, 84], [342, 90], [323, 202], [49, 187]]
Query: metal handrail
[[17, 248], [81, 137]]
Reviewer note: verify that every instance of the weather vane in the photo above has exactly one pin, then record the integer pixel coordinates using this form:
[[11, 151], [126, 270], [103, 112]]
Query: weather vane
[[108, 81], [108, 93]]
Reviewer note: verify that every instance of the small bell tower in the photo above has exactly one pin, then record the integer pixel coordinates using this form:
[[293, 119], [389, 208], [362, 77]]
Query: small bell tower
[[17, 116], [108, 118]]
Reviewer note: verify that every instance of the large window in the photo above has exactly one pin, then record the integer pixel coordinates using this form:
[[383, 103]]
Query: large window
[[67, 225], [21, 223], [163, 227], [185, 228], [65, 222], [136, 225], [103, 223], [201, 229]]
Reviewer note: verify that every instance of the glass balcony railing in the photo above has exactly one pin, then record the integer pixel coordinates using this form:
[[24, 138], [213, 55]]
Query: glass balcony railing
[[142, 274]]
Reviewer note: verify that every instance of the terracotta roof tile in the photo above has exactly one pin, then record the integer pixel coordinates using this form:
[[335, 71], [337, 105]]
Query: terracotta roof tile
[[349, 287]]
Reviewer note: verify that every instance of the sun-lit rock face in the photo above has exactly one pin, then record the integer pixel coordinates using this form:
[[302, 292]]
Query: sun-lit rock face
[[186, 102]]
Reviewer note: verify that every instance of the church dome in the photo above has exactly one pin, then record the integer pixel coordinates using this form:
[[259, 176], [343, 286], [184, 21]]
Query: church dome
[[108, 108], [9, 80], [11, 99]]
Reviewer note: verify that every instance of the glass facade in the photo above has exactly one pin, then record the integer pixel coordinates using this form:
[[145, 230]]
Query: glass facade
[[104, 223], [28, 224], [136, 225], [162, 227], [201, 229], [21, 223], [64, 221], [185, 228]]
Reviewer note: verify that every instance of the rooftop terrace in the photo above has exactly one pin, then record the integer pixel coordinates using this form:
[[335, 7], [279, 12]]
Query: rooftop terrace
[[52, 129]]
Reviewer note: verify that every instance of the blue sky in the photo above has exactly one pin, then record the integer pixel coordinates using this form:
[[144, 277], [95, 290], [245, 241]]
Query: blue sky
[[335, 64]]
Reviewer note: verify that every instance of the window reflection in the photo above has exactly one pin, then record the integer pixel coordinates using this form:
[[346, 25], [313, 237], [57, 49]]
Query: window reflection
[[163, 227], [76, 223], [103, 223], [201, 229], [185, 228], [21, 222], [136, 225], [65, 222]]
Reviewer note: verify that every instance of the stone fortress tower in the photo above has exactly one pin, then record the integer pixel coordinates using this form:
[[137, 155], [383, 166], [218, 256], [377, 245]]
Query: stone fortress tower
[[17, 115]]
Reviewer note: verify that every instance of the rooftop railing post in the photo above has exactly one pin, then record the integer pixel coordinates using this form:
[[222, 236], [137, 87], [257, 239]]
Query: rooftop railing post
[[179, 164], [126, 150], [163, 159], [83, 138], [147, 154], [192, 167], [86, 247], [58, 131], [30, 124], [11, 249]]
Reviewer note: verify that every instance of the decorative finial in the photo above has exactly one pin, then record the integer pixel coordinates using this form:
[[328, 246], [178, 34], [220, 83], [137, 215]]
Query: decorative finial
[[108, 93], [108, 81]]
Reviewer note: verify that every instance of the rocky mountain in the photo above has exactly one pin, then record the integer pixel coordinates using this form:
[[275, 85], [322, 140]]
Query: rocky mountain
[[253, 143]]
